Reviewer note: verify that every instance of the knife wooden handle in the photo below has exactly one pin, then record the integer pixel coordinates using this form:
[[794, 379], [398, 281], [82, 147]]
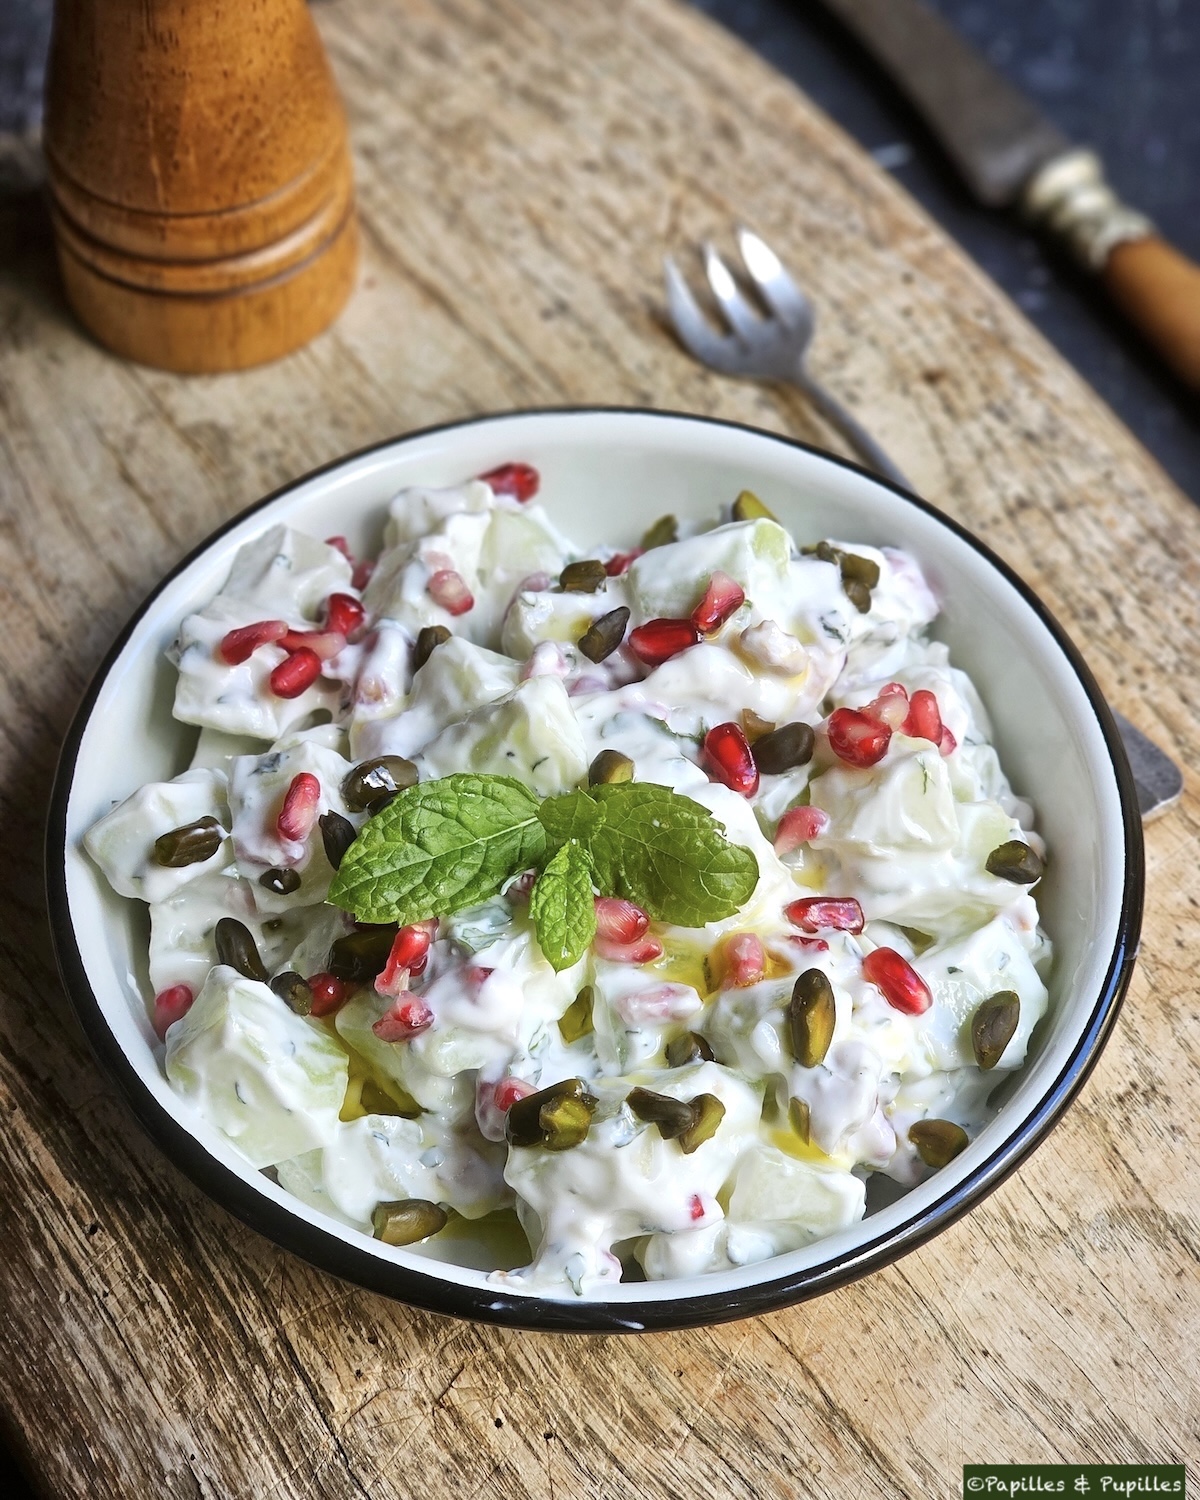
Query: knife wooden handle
[[1158, 289]]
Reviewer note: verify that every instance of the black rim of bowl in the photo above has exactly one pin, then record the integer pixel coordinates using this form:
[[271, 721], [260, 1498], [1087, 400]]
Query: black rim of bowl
[[328, 1252]]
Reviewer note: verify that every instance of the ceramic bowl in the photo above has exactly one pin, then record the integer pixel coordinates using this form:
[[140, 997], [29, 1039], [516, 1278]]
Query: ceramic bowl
[[604, 475]]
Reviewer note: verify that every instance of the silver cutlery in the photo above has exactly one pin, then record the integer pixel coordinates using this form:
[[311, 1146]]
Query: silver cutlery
[[771, 343]]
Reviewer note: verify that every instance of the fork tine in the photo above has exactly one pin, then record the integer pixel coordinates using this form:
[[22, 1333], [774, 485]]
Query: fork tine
[[738, 312], [691, 326], [778, 289]]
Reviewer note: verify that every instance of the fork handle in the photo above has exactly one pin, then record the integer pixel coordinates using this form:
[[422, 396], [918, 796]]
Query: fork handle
[[850, 428]]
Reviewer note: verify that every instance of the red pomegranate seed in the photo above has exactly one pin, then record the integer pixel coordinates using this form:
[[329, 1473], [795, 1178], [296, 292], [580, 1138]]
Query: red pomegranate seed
[[343, 613], [809, 944], [476, 975], [521, 481], [508, 1091], [409, 1016], [448, 589], [362, 573], [494, 1100], [857, 738], [409, 955], [620, 563], [661, 1002], [294, 676], [642, 950], [745, 959], [696, 1207], [947, 744], [299, 810], [797, 826], [723, 597], [728, 758], [889, 706], [323, 643], [619, 921], [340, 544], [328, 994], [822, 913], [659, 640], [901, 985], [924, 719], [239, 645], [170, 1006]]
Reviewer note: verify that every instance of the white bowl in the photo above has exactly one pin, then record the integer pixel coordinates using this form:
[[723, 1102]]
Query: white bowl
[[605, 474]]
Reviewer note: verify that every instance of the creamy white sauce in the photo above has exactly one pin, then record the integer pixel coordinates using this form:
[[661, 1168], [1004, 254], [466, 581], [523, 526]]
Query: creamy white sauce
[[511, 693]]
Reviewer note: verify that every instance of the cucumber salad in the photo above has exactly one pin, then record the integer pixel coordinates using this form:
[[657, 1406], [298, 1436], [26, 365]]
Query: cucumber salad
[[582, 915]]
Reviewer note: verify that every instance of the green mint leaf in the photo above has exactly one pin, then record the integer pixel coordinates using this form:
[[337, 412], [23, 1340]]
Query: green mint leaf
[[562, 906], [438, 847], [669, 855], [574, 815]]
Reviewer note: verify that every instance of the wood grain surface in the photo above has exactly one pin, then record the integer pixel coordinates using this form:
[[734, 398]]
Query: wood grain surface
[[522, 165]]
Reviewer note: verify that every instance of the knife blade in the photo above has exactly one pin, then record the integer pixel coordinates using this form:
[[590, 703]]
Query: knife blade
[[1010, 154], [995, 136]]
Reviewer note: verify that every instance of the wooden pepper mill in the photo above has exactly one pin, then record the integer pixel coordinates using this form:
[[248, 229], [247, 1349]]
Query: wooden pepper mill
[[200, 178]]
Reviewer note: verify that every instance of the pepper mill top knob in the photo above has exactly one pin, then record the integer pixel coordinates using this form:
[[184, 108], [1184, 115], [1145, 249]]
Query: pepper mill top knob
[[200, 178]]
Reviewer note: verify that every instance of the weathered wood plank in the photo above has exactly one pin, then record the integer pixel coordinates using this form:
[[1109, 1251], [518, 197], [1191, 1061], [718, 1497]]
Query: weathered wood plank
[[522, 166]]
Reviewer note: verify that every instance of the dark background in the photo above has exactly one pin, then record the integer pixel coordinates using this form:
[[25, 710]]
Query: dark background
[[1120, 75]]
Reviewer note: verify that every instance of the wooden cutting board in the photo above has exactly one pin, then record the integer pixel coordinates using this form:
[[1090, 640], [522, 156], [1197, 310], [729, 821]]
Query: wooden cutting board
[[522, 165]]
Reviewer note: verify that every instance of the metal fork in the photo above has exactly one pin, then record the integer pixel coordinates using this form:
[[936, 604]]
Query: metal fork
[[773, 347], [770, 347]]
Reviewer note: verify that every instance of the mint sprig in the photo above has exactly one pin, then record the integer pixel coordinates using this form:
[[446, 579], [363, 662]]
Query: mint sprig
[[444, 845], [563, 908], [669, 855], [438, 847]]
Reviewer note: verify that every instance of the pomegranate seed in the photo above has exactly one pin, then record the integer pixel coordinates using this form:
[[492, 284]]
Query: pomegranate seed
[[797, 826], [447, 588], [294, 676], [299, 810], [328, 994], [856, 737], [901, 985], [696, 1207], [889, 706], [728, 758], [947, 744], [659, 640], [825, 914], [924, 719], [619, 921], [343, 613], [170, 1005], [494, 1100], [535, 583], [620, 563], [477, 976], [509, 1090], [521, 481], [641, 951], [409, 1016], [809, 944], [745, 959], [239, 645], [663, 1002], [323, 643], [822, 913], [409, 955], [723, 597], [363, 573], [340, 544]]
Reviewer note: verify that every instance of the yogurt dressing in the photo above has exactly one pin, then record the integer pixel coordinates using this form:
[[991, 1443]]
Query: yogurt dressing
[[348, 1121]]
